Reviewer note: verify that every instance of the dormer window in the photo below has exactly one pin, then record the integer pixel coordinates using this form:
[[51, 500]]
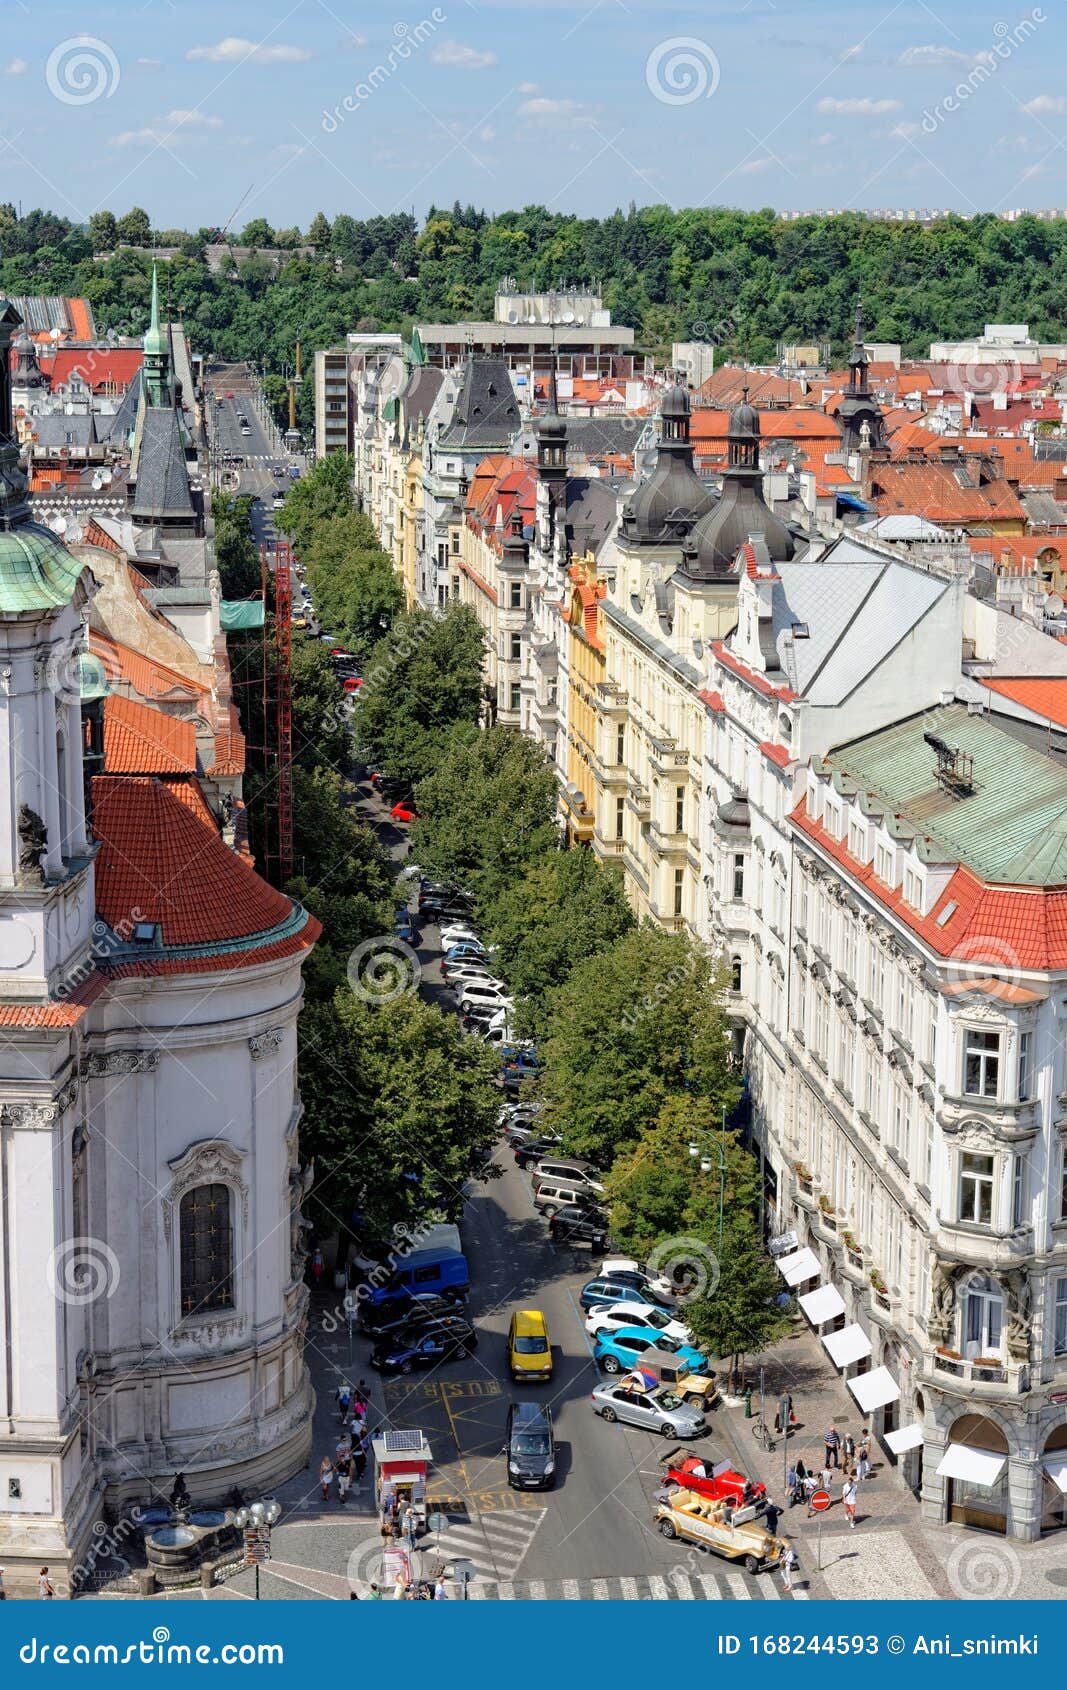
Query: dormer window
[[883, 864], [913, 889]]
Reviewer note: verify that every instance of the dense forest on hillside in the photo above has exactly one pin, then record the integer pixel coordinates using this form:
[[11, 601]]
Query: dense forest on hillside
[[745, 280]]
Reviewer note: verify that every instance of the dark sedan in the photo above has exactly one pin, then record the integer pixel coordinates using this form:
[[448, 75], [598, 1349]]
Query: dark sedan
[[427, 1346], [579, 1225], [402, 1313]]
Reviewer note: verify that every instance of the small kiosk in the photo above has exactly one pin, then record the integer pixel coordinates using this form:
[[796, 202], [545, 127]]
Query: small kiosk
[[401, 1463]]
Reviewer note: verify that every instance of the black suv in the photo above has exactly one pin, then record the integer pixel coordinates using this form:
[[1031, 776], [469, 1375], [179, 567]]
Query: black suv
[[397, 1314], [533, 1150], [530, 1447], [579, 1224], [425, 1345]]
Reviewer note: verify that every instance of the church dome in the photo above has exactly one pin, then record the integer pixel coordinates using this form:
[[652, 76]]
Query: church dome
[[718, 537], [675, 402], [664, 506], [744, 421], [36, 570]]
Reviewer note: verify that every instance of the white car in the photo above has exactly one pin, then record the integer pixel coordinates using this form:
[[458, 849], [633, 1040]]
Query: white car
[[456, 935], [473, 975], [476, 996], [617, 1315], [626, 1265]]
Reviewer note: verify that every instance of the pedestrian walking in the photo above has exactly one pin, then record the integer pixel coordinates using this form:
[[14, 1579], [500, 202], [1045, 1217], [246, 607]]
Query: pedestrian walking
[[848, 1497], [326, 1477], [343, 1450], [440, 1594], [827, 1478], [344, 1479], [359, 1458], [789, 1565], [773, 1515], [401, 1588], [343, 1399], [832, 1441], [411, 1529], [849, 1448], [863, 1464], [46, 1590], [373, 1594]]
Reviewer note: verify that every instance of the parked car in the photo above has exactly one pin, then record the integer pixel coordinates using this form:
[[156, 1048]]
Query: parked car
[[574, 1224], [551, 1195], [456, 933], [400, 812], [403, 926], [602, 1293], [530, 1447], [657, 1410], [521, 1064], [641, 1316], [528, 1345], [352, 683], [618, 1351], [716, 1527], [715, 1481], [529, 1154], [436, 1269], [477, 996], [633, 1273], [426, 1346], [573, 1169], [402, 1312], [474, 975]]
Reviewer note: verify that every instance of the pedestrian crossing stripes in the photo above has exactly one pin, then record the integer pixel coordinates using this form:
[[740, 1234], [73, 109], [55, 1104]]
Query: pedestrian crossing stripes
[[649, 1587], [496, 1542]]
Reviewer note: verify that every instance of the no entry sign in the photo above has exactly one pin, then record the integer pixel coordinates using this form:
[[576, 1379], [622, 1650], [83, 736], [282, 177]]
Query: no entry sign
[[820, 1500]]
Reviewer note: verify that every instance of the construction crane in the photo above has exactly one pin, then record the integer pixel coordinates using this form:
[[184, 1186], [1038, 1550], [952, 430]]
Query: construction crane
[[219, 235], [283, 613]]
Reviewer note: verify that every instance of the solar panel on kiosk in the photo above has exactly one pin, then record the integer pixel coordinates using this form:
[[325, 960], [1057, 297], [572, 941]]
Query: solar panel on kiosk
[[396, 1442]]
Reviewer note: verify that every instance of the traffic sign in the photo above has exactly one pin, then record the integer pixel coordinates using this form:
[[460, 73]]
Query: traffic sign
[[820, 1500]]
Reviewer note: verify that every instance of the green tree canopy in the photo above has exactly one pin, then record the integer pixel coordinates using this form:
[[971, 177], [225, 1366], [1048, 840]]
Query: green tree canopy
[[424, 679], [487, 813], [135, 227], [399, 1111], [630, 1028], [354, 583]]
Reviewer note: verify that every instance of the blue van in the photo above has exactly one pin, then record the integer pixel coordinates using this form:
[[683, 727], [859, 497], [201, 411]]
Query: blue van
[[442, 1272]]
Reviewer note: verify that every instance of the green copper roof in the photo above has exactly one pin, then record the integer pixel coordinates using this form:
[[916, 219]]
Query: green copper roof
[[94, 681], [1012, 828], [155, 340], [36, 570]]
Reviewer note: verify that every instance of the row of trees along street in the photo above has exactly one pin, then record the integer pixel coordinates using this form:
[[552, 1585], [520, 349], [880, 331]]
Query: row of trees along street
[[629, 1021]]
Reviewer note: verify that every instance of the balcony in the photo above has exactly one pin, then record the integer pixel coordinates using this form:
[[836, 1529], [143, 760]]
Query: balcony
[[986, 1376]]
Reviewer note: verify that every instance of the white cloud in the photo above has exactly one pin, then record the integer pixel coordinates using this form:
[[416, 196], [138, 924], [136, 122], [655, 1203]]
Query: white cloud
[[1046, 105], [848, 53], [527, 88], [234, 50], [906, 131], [15, 67], [168, 131], [930, 57], [462, 57], [545, 107], [754, 167], [352, 43], [857, 107], [146, 67], [826, 140], [487, 134]]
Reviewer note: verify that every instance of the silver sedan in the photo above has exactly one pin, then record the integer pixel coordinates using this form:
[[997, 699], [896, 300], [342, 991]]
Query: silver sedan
[[658, 1410]]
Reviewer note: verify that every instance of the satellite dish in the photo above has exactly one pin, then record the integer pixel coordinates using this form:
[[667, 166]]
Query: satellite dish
[[513, 316], [58, 525], [54, 334], [568, 316], [97, 483], [106, 477]]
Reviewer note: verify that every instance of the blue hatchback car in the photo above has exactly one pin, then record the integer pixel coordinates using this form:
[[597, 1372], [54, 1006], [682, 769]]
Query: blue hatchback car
[[404, 929], [618, 1352]]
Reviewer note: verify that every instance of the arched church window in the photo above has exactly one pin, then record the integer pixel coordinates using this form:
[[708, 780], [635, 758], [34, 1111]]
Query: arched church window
[[206, 1234]]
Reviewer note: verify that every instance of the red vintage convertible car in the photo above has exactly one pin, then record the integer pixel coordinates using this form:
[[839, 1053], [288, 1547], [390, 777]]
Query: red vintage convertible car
[[715, 1480]]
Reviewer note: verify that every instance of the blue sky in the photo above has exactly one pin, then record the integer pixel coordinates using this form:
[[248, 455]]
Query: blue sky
[[181, 105]]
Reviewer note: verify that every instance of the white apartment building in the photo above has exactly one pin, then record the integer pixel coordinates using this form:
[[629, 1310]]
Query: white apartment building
[[887, 914]]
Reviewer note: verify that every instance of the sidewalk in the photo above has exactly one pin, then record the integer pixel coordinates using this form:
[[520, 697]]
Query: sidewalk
[[887, 1554]]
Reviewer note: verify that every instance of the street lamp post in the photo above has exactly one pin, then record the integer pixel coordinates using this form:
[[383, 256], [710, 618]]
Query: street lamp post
[[706, 1165], [256, 1522]]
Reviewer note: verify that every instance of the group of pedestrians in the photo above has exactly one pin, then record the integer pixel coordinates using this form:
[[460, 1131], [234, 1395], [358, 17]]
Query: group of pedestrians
[[348, 1464], [841, 1454]]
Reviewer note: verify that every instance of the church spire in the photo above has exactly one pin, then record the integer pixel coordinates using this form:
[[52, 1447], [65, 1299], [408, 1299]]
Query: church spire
[[156, 354]]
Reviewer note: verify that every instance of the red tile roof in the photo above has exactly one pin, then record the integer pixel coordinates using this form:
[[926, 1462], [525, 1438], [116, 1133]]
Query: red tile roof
[[725, 387], [932, 490], [776, 753], [796, 424], [141, 741], [66, 1012], [157, 858], [713, 700], [104, 368], [1004, 927], [153, 680], [759, 682], [1045, 696]]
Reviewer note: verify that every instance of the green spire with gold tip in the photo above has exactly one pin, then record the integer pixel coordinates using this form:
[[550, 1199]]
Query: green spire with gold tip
[[156, 353]]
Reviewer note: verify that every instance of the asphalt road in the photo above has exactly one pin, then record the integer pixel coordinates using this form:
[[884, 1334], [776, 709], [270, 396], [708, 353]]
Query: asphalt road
[[597, 1521]]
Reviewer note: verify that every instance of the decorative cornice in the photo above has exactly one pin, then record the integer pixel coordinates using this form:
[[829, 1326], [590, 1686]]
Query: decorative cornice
[[104, 1063], [263, 1044]]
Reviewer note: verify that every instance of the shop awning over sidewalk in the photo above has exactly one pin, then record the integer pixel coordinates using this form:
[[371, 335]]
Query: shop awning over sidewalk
[[977, 1466], [802, 1265], [874, 1390], [824, 1303], [907, 1437], [848, 1345]]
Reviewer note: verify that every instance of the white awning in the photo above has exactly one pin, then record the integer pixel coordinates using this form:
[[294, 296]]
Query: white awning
[[824, 1303], [801, 1265], [1056, 1468], [960, 1461], [874, 1390], [908, 1437], [850, 1344]]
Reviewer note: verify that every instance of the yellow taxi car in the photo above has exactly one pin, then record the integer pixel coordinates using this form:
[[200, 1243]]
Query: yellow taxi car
[[529, 1349]]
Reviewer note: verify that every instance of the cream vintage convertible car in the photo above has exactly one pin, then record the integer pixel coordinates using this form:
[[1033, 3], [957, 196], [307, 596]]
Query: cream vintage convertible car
[[736, 1534]]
